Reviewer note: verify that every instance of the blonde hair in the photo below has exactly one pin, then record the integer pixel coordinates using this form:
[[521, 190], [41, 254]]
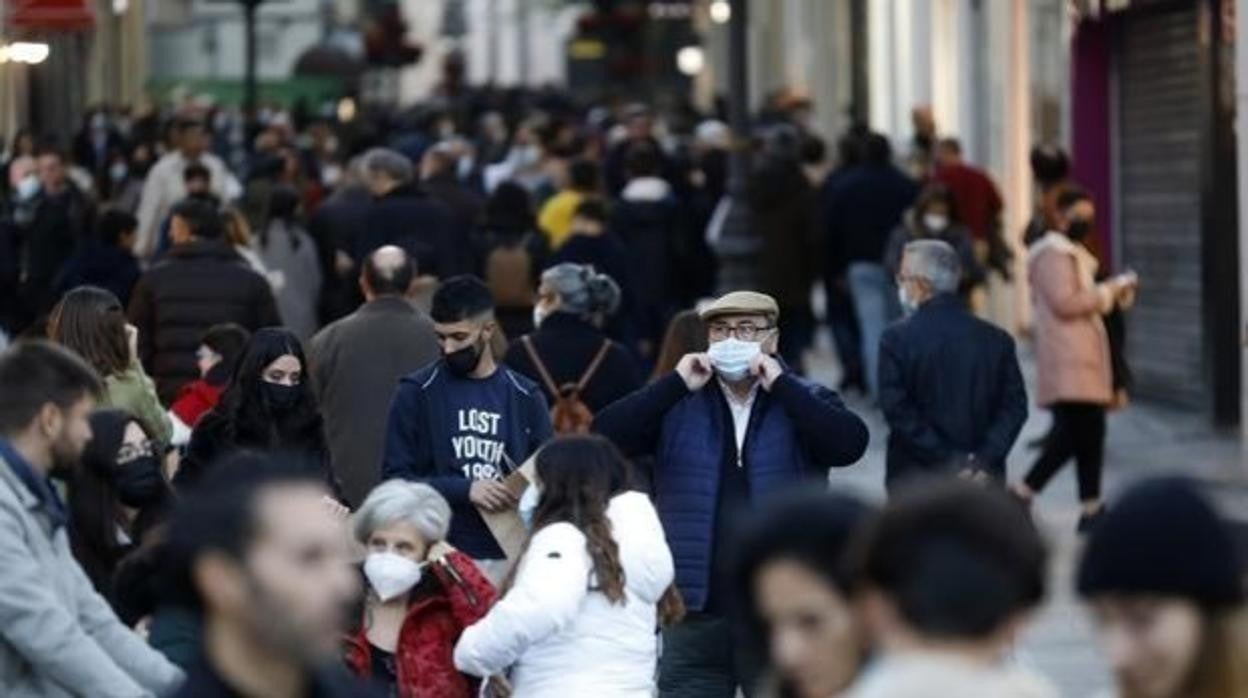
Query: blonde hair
[[237, 229]]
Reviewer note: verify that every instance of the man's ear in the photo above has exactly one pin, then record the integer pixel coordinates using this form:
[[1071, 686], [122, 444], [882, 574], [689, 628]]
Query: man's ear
[[51, 420], [219, 581], [772, 344]]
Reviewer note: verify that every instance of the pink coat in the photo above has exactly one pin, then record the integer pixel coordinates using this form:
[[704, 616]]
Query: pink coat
[[1072, 348]]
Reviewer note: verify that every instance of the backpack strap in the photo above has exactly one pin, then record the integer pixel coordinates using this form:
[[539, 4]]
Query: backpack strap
[[594, 366], [541, 367]]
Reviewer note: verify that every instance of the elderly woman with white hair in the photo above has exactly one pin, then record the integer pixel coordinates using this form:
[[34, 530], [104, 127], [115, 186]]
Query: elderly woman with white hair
[[421, 595]]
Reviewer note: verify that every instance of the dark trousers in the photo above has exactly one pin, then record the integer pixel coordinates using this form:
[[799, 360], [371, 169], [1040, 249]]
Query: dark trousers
[[704, 658], [797, 331], [844, 325], [1078, 431]]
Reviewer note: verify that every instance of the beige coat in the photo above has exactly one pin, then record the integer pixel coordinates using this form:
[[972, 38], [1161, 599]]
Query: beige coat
[[1072, 348]]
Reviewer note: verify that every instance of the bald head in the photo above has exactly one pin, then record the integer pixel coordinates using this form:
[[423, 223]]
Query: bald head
[[388, 271]]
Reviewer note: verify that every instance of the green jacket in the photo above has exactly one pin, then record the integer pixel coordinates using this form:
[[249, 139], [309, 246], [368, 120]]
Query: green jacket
[[133, 391]]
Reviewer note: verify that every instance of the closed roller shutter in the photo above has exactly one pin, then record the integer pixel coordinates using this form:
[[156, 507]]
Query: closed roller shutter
[[1159, 179]]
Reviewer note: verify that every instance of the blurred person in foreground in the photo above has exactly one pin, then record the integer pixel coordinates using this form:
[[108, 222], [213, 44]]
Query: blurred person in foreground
[[581, 370], [201, 282], [726, 428], [357, 361], [794, 581], [464, 422], [1074, 368], [117, 494], [1166, 592], [422, 594], [947, 577], [950, 385], [58, 636], [578, 615], [269, 407], [265, 565]]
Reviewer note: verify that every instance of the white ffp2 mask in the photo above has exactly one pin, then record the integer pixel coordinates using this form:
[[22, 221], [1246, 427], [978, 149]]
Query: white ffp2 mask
[[392, 575]]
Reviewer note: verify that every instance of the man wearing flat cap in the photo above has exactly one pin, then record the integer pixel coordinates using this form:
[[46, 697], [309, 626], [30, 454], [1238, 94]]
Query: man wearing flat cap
[[727, 428]]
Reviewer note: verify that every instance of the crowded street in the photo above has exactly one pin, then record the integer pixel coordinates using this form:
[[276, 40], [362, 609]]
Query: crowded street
[[623, 348]]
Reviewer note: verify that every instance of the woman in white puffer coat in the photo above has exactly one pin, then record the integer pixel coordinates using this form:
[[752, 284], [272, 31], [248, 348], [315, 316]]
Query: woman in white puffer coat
[[581, 615]]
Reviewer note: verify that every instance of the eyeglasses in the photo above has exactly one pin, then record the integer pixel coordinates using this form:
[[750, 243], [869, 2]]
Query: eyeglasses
[[744, 331], [130, 452]]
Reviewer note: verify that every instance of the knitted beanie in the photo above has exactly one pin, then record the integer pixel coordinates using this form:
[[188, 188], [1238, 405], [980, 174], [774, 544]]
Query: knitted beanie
[[1163, 538]]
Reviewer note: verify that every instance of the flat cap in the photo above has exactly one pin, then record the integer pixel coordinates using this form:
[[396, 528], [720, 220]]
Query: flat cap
[[742, 303]]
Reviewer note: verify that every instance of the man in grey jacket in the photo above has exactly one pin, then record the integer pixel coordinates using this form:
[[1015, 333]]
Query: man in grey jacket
[[58, 637], [356, 364]]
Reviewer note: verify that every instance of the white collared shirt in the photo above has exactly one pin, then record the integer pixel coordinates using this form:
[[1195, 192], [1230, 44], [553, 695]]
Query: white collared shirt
[[741, 411]]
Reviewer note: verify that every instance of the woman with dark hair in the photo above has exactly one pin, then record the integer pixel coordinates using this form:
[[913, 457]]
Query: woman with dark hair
[[1165, 587], [934, 216], [117, 494], [289, 252], [218, 354], [580, 614], [91, 322], [794, 582], [268, 407]]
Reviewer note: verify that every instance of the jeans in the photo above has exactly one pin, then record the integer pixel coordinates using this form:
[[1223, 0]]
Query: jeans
[[876, 305], [704, 658]]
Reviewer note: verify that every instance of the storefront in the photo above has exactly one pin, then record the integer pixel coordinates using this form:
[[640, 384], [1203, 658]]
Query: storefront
[[1152, 109]]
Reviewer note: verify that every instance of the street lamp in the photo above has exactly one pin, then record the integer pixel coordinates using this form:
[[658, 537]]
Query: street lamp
[[720, 11], [690, 60]]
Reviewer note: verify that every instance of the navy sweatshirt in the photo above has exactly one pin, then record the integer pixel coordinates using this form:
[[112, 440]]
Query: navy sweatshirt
[[449, 431]]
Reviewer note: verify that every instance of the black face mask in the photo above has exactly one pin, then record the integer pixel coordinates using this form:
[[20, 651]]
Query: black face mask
[[1078, 229], [281, 398], [139, 482], [464, 361]]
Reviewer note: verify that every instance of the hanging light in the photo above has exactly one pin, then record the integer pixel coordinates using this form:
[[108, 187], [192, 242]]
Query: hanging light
[[720, 11]]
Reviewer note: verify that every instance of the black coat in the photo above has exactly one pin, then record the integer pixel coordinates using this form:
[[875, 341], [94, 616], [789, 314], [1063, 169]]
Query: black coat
[[61, 227], [566, 345], [465, 206], [410, 218], [606, 254], [651, 232], [861, 206], [333, 227], [108, 267], [949, 386], [195, 287]]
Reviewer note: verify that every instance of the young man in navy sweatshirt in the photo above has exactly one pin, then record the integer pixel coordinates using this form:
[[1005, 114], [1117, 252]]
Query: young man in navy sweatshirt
[[463, 422]]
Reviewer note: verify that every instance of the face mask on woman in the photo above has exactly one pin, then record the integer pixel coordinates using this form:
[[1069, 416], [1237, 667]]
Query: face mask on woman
[[139, 482], [281, 398], [935, 222], [392, 575], [731, 358]]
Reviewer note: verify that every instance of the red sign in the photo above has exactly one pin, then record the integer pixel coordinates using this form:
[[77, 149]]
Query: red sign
[[49, 15]]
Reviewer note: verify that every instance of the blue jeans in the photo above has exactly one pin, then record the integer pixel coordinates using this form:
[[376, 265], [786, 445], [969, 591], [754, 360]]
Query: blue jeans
[[876, 305], [705, 657]]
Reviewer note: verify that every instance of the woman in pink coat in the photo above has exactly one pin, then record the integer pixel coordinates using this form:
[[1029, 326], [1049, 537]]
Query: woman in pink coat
[[1074, 376]]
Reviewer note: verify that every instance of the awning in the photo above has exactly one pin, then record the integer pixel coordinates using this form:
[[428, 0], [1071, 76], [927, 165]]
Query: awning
[[49, 15]]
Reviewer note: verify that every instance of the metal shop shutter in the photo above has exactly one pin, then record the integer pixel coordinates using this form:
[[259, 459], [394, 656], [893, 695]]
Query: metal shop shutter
[[1159, 178]]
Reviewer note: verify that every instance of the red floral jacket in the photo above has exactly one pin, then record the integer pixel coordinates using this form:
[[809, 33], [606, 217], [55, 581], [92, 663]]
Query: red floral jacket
[[424, 661]]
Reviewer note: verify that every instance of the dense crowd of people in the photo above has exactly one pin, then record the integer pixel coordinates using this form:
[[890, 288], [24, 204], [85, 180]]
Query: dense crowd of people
[[448, 404]]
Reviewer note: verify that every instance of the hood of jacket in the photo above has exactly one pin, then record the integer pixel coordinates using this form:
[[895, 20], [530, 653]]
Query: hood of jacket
[[644, 555]]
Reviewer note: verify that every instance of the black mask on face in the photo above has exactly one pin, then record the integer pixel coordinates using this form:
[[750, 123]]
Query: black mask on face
[[281, 398], [464, 361], [139, 482], [1078, 229]]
